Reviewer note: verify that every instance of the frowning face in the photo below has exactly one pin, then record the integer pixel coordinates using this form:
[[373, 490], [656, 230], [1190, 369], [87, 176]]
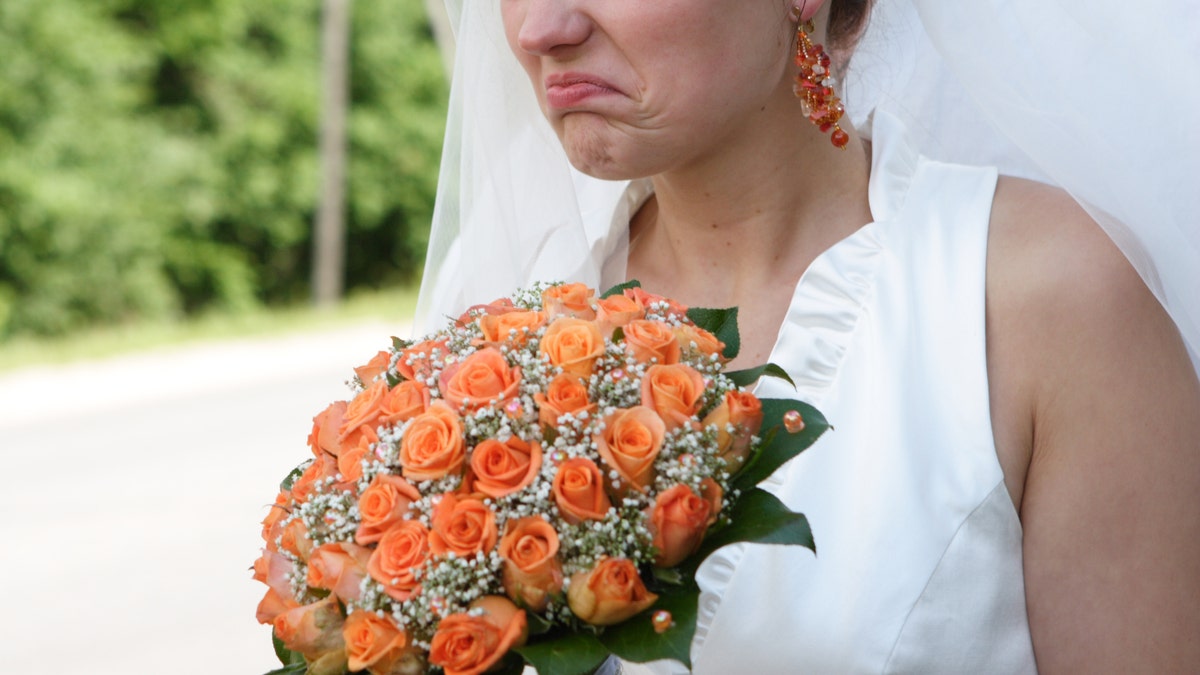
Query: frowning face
[[638, 87]]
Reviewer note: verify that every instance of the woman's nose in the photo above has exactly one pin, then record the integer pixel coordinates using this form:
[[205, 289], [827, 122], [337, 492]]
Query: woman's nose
[[550, 26]]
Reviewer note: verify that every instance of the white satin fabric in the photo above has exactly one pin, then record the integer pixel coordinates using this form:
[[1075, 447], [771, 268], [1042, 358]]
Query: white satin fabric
[[918, 564]]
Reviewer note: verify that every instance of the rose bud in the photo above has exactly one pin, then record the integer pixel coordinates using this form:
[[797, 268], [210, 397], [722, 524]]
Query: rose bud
[[339, 567], [417, 362], [630, 443], [501, 469], [275, 570], [404, 402], [678, 521], [743, 411], [272, 605], [363, 411], [463, 526], [404, 546], [652, 341], [532, 571], [616, 312], [478, 380], [377, 366], [313, 630], [646, 299], [375, 644], [295, 540], [326, 427], [381, 505], [433, 445], [512, 327], [574, 345], [473, 642], [674, 391], [696, 339], [608, 594], [579, 492], [566, 393], [572, 300]]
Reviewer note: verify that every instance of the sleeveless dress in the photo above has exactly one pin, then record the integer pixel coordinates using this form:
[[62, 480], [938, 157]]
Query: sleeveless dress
[[918, 564]]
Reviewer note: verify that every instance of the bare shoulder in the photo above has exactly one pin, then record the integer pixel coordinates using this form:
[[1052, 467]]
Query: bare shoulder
[[1094, 393]]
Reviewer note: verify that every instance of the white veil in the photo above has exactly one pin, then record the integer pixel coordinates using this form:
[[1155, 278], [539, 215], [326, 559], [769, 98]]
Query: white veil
[[1101, 98]]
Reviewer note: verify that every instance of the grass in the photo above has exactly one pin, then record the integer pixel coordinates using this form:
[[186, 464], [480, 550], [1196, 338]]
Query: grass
[[392, 305]]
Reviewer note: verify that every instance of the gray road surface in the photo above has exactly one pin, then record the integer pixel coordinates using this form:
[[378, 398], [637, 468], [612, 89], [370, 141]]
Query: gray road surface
[[129, 517]]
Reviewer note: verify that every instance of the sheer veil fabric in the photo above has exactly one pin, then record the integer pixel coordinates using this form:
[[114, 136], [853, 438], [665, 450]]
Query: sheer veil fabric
[[1101, 98]]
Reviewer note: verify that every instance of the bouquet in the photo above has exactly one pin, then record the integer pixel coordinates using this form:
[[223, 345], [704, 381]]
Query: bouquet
[[535, 483]]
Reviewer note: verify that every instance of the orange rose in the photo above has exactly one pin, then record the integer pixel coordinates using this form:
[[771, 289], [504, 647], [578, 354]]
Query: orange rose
[[363, 412], [295, 540], [579, 491], [401, 550], [377, 645], [404, 402], [503, 468], [574, 345], [743, 412], [511, 327], [630, 443], [678, 521], [566, 393], [377, 366], [349, 462], [275, 570], [646, 299], [313, 630], [272, 524], [616, 311], [324, 466], [273, 604], [463, 526], [573, 300], [715, 496], [480, 379], [696, 339], [339, 567], [608, 594], [649, 341], [471, 643], [532, 571], [417, 362], [433, 444], [326, 427], [675, 392], [496, 307], [383, 504]]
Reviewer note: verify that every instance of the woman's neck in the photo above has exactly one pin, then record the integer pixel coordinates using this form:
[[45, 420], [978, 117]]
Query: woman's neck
[[755, 213]]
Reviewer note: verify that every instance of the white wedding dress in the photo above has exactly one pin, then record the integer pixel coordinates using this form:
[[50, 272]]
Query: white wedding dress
[[918, 563]]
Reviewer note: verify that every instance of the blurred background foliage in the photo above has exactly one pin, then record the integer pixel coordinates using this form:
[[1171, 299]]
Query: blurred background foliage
[[158, 157]]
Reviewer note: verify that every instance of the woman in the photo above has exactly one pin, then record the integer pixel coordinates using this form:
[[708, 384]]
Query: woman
[[1013, 479]]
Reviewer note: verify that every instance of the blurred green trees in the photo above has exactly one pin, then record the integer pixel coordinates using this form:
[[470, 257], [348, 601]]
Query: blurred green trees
[[158, 157]]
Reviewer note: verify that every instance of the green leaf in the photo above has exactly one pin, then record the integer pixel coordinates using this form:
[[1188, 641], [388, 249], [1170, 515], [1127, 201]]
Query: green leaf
[[287, 657], [636, 640], [778, 445], [621, 288], [569, 654], [288, 480], [537, 624], [667, 575], [745, 378], [758, 516], [618, 334], [721, 323], [400, 344]]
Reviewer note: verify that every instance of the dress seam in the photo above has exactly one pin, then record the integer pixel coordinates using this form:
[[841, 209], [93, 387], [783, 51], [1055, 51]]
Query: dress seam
[[933, 573]]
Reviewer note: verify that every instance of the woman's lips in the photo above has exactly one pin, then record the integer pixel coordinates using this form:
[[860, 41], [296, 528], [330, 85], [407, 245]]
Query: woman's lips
[[569, 91]]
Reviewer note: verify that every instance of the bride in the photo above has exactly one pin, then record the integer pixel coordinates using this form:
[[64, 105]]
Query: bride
[[1014, 479]]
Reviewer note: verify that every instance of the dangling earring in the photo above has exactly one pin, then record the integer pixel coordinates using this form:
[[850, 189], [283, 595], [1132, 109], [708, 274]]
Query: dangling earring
[[814, 83]]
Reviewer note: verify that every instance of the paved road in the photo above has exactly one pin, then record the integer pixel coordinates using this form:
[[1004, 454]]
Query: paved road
[[129, 517]]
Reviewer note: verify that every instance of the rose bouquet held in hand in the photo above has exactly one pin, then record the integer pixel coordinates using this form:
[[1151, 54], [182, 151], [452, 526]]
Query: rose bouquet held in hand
[[536, 483]]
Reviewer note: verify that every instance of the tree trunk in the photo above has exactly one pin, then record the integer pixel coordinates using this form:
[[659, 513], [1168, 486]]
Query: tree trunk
[[329, 240]]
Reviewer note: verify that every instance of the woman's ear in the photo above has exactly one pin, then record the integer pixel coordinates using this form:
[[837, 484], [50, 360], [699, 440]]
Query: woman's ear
[[807, 9]]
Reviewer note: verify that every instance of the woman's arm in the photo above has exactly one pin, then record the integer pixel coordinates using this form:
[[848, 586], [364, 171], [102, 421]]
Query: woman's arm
[[1092, 384]]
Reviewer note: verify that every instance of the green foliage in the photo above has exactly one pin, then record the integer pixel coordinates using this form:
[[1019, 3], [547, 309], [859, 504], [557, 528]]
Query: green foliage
[[158, 157]]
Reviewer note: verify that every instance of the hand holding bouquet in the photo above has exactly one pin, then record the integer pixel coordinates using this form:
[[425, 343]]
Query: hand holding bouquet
[[537, 482]]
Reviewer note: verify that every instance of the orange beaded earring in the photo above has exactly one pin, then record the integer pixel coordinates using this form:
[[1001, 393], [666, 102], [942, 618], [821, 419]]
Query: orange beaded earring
[[814, 83]]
